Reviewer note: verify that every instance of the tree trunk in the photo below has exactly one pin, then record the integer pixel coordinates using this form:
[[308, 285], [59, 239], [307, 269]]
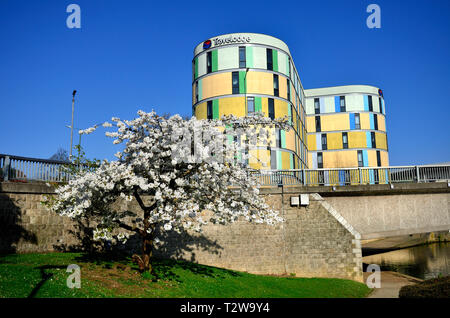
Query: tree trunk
[[144, 261]]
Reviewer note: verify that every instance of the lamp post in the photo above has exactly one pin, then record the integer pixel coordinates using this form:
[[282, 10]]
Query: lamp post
[[71, 126]]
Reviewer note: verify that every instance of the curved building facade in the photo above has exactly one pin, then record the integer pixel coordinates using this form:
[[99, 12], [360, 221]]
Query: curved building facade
[[333, 127], [242, 73], [346, 127]]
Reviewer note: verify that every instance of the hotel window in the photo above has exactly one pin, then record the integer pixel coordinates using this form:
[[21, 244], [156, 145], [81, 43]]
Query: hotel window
[[316, 106], [357, 122], [372, 139], [381, 105], [360, 159], [378, 158], [242, 58], [250, 105], [342, 103], [324, 141], [271, 108], [318, 124], [370, 104], [209, 109], [319, 160], [292, 115], [375, 121], [278, 137], [269, 59], [235, 82], [344, 140], [196, 92], [288, 89], [276, 89], [208, 62]]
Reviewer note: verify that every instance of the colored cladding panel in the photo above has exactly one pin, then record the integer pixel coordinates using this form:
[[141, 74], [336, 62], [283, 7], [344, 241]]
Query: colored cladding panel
[[289, 110], [216, 85], [275, 60], [318, 141], [380, 140], [285, 159], [354, 102], [365, 120], [309, 106], [228, 58], [357, 139], [201, 64], [310, 124], [291, 161], [232, 106], [372, 121], [290, 140], [260, 83], [283, 138], [215, 103], [365, 158], [368, 139], [242, 82], [258, 104], [337, 104], [279, 160], [259, 57], [381, 123], [376, 105], [372, 154], [283, 87], [265, 106], [312, 142], [200, 111], [329, 105], [366, 103], [215, 61], [352, 121], [340, 159], [288, 67], [200, 89], [249, 56], [334, 141], [384, 158], [313, 161], [335, 122], [196, 68], [322, 105], [280, 108]]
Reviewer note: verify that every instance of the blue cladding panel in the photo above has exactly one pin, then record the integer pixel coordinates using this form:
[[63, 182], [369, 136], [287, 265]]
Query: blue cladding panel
[[322, 105], [371, 177], [372, 121], [366, 103], [337, 104], [352, 121], [368, 139], [341, 177], [365, 158]]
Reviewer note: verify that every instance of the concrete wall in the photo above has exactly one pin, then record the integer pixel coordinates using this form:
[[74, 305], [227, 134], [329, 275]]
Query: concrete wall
[[315, 241]]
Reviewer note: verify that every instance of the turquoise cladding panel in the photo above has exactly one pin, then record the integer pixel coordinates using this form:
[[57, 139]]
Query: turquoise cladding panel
[[365, 158], [337, 104], [366, 103], [372, 121], [368, 139]]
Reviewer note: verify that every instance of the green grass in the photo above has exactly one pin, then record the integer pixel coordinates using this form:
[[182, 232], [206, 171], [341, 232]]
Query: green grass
[[44, 275]]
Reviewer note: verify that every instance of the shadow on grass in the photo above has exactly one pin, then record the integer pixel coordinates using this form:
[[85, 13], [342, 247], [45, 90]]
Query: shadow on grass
[[44, 277]]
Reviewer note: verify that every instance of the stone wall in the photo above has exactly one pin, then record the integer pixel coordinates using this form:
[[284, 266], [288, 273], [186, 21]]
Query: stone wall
[[314, 241]]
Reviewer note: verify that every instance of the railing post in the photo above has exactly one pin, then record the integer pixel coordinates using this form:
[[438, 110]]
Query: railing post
[[418, 175], [6, 165]]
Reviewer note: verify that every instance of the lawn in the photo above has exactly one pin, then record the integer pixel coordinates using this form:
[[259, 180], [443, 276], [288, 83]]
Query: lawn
[[44, 275]]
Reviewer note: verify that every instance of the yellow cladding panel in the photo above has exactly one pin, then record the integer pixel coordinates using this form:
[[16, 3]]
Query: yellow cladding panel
[[372, 156], [282, 83], [232, 106], [310, 124], [285, 160], [259, 83], [290, 140], [312, 142], [200, 111], [340, 159], [259, 159], [381, 123], [384, 158], [357, 139], [365, 120], [334, 141], [380, 140], [265, 106], [335, 122], [216, 85], [280, 108]]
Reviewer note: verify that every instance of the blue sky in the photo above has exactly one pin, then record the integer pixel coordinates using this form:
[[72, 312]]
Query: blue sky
[[110, 61]]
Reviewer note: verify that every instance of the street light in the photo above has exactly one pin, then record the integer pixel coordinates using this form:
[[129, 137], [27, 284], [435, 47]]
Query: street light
[[71, 126]]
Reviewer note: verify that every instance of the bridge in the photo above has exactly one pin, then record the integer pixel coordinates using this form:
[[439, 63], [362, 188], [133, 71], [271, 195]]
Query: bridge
[[378, 202]]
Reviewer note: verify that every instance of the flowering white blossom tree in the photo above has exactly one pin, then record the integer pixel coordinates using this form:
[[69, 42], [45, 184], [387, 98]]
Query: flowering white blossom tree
[[186, 166]]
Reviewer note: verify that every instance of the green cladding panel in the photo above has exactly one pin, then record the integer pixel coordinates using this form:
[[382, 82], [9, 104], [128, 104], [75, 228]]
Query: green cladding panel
[[258, 104], [215, 61], [275, 60], [279, 162], [196, 68], [283, 139], [249, 56], [242, 83], [215, 109]]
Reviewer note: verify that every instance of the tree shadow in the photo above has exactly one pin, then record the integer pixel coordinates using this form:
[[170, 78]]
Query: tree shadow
[[44, 277], [11, 229]]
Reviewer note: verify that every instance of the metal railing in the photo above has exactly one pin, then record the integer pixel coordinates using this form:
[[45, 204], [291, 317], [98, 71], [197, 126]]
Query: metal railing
[[353, 176], [15, 168]]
